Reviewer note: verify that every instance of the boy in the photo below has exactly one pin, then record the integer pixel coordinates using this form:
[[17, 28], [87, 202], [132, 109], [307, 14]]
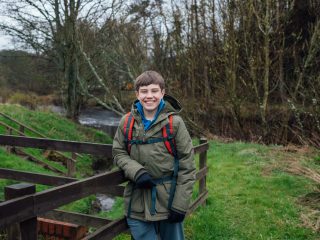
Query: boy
[[153, 148]]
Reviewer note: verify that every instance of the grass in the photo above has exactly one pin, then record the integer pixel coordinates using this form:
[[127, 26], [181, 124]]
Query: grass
[[252, 193], [244, 203], [55, 127], [251, 196]]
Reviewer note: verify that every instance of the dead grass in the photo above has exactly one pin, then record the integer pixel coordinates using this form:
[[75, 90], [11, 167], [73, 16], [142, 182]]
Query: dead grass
[[296, 160], [292, 159]]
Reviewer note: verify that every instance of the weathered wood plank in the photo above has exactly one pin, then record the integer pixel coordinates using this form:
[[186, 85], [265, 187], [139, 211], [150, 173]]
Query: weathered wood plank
[[28, 229], [38, 161], [11, 128], [115, 191], [203, 164], [61, 145], [21, 124], [48, 200], [76, 218], [15, 230], [69, 146], [20, 209], [200, 200], [34, 177], [16, 210], [21, 133], [201, 148], [201, 173], [109, 231]]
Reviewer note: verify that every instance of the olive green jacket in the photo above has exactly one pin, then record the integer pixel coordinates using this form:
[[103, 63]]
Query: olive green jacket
[[158, 162]]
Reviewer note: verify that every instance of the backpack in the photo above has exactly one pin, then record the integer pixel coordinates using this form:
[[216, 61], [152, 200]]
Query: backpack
[[169, 142]]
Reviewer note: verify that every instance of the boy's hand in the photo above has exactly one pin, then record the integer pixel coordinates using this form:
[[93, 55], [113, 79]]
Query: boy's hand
[[175, 217], [145, 181]]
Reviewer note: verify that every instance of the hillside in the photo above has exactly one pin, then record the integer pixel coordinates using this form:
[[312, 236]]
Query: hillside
[[55, 127]]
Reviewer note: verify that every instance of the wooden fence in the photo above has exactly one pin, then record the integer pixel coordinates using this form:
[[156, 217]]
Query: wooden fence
[[22, 130], [25, 209]]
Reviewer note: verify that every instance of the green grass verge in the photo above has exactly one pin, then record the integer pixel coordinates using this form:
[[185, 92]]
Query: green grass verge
[[246, 203]]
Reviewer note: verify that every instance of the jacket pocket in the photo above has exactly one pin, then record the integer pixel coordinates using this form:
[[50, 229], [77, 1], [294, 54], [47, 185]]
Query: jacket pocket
[[136, 198], [163, 192]]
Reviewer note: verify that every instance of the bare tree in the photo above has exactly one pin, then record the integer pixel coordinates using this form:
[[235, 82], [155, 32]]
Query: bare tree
[[52, 27]]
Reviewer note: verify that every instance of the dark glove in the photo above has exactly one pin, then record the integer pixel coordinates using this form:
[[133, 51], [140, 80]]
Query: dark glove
[[175, 217], [145, 181]]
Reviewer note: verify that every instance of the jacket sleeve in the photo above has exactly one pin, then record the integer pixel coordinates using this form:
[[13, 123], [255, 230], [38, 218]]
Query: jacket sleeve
[[132, 169], [187, 169]]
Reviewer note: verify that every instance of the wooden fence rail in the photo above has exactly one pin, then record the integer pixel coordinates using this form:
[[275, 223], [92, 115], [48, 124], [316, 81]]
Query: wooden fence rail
[[21, 209], [70, 162], [60, 145]]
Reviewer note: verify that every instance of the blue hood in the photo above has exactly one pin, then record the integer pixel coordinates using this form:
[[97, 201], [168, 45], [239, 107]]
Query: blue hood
[[148, 123]]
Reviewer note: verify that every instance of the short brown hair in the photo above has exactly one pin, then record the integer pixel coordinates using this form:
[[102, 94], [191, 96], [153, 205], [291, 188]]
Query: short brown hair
[[147, 78]]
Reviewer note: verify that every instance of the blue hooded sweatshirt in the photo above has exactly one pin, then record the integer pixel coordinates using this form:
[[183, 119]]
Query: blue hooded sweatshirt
[[148, 123]]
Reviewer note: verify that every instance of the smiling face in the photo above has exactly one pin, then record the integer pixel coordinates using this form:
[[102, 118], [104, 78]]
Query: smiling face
[[150, 97]]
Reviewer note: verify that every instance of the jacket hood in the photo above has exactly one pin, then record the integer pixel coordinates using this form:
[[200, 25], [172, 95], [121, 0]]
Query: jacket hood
[[172, 106]]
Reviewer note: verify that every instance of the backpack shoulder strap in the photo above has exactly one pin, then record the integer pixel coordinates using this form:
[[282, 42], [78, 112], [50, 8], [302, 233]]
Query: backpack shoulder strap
[[127, 130], [167, 133]]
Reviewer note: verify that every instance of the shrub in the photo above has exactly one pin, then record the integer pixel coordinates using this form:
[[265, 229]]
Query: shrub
[[28, 100]]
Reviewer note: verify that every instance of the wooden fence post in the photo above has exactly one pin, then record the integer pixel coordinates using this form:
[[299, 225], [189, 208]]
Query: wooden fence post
[[21, 129], [9, 148], [71, 165], [27, 230], [203, 164]]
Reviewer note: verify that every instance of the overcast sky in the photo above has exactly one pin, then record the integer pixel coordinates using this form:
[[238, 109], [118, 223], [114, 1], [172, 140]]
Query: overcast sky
[[5, 42]]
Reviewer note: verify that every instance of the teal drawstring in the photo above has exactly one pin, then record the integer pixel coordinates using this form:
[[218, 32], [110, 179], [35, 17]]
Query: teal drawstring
[[153, 200]]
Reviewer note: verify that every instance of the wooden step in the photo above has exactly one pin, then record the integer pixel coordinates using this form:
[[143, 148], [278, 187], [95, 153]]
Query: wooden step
[[31, 158]]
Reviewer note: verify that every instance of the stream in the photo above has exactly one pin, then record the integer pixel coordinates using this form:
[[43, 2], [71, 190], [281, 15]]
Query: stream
[[106, 121]]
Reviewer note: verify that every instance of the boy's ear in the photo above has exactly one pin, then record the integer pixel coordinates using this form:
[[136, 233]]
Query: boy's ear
[[137, 94], [163, 91]]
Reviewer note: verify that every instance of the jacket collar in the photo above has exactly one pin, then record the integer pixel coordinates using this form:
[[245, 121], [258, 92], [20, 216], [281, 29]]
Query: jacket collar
[[148, 123], [172, 106]]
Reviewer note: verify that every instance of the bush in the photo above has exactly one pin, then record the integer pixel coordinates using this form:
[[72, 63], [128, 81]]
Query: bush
[[28, 100], [4, 94]]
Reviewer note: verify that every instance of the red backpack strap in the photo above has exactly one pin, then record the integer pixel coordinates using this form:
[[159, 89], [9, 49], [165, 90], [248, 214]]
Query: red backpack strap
[[127, 130], [167, 133]]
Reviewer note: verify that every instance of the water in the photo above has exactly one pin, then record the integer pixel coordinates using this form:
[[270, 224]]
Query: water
[[105, 202], [98, 117], [104, 120], [108, 122]]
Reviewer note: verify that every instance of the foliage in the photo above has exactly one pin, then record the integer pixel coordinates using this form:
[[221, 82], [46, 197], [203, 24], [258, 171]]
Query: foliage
[[221, 58], [27, 72], [24, 99]]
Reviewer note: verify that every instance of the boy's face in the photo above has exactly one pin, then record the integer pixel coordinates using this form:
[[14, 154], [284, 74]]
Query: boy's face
[[150, 97]]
